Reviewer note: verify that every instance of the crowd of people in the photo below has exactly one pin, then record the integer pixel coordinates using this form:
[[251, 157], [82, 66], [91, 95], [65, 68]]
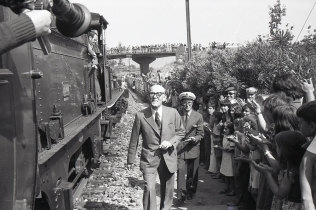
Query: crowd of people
[[163, 48], [145, 48], [262, 147]]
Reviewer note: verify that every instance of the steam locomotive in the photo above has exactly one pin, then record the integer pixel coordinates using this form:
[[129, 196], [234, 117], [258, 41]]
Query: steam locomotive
[[56, 111]]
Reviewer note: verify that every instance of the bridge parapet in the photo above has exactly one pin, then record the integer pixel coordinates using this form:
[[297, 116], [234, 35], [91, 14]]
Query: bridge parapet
[[149, 50]]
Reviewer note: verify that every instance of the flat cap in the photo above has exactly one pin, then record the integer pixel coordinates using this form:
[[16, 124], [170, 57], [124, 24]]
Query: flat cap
[[251, 90], [230, 88], [187, 95]]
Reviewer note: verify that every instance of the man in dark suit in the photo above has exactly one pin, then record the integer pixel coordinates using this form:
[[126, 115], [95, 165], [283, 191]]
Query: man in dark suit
[[161, 129], [189, 148]]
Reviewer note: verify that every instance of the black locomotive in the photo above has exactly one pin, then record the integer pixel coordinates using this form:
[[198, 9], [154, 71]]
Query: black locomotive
[[57, 108]]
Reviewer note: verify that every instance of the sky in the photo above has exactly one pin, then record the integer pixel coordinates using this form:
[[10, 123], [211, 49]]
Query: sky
[[145, 22]]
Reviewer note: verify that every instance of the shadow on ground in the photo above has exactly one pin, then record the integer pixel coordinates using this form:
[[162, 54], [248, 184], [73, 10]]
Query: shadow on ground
[[103, 206], [134, 182], [207, 196]]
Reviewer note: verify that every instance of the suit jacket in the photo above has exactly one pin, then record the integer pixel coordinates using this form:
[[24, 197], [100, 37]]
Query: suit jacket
[[194, 128], [172, 131]]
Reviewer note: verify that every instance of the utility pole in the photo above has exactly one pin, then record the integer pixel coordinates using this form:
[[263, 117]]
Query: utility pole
[[188, 29]]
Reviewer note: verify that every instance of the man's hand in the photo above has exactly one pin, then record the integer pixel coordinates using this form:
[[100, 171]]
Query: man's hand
[[129, 166], [307, 85], [250, 145], [241, 101], [165, 145], [41, 20], [254, 106], [259, 139], [192, 139], [263, 168], [232, 139], [218, 147]]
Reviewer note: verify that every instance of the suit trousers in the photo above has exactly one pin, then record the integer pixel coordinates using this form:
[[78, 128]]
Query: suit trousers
[[188, 174], [166, 187], [207, 147]]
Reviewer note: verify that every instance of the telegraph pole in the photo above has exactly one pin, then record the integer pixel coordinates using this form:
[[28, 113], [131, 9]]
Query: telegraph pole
[[188, 29]]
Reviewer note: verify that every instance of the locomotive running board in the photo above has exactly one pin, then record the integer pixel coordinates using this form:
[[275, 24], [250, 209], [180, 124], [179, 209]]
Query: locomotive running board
[[116, 95], [73, 131]]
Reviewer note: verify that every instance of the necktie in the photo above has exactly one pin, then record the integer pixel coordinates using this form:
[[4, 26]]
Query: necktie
[[186, 117], [157, 120]]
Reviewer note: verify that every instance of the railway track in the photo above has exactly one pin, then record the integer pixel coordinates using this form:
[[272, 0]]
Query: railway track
[[112, 185]]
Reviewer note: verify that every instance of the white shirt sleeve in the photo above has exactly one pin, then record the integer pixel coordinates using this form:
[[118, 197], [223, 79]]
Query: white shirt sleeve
[[312, 147]]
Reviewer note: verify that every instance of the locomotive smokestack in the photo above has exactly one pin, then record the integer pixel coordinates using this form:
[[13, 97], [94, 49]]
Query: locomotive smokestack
[[72, 20]]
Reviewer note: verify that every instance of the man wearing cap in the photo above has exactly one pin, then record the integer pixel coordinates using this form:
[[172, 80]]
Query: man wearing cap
[[189, 148], [161, 129], [250, 99], [251, 94], [231, 94]]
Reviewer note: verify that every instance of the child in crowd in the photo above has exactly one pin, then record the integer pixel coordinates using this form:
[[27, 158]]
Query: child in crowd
[[276, 163], [286, 189], [246, 110], [285, 128], [216, 140], [250, 127], [227, 159], [242, 158]]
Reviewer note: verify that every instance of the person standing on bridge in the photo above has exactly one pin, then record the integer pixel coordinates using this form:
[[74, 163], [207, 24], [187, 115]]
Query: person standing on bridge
[[189, 149], [161, 129]]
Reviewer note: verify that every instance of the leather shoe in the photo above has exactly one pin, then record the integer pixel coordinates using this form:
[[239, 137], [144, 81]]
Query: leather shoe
[[189, 196], [232, 203], [180, 202], [231, 193], [224, 191], [191, 187], [217, 176]]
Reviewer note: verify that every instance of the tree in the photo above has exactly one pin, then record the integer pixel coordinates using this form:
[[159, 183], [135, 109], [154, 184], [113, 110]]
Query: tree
[[279, 37], [255, 64], [207, 74]]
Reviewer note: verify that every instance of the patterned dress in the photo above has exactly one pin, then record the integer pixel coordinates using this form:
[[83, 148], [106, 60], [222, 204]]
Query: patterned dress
[[285, 204]]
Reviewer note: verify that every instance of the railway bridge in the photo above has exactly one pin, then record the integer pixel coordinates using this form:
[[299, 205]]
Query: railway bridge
[[145, 56]]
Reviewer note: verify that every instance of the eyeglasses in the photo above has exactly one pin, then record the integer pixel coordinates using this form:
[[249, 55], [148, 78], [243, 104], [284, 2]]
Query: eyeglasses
[[230, 93], [158, 94]]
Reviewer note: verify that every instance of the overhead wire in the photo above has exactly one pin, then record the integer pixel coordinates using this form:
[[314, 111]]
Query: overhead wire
[[305, 21]]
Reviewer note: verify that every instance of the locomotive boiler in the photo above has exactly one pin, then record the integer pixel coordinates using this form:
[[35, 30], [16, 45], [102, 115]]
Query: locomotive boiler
[[57, 109]]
